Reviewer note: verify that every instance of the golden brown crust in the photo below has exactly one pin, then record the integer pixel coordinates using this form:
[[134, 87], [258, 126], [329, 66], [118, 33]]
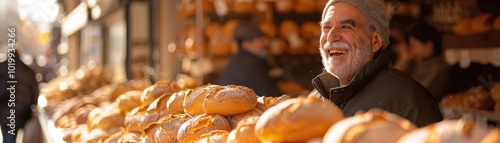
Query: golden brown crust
[[496, 23], [492, 137], [193, 102], [495, 90], [229, 100], [105, 118], [463, 27], [129, 100], [376, 126], [159, 88], [215, 136], [264, 103], [235, 119], [199, 125], [286, 121], [269, 28], [175, 103], [305, 6], [166, 131], [244, 132]]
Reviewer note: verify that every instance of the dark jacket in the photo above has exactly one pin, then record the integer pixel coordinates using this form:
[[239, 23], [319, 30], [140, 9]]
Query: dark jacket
[[251, 71], [25, 91], [378, 86]]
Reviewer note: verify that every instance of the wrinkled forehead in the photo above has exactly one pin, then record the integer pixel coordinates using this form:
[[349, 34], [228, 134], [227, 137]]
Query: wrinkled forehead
[[342, 11]]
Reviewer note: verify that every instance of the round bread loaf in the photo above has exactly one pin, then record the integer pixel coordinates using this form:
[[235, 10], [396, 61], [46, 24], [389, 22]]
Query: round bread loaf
[[310, 30], [287, 28], [284, 6], [199, 125], [229, 100], [297, 120], [193, 102], [106, 118], [229, 27], [129, 100], [244, 132], [375, 126], [448, 131], [212, 29], [244, 6]]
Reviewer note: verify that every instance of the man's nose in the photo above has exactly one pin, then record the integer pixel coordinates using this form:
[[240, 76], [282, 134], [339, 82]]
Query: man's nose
[[334, 34]]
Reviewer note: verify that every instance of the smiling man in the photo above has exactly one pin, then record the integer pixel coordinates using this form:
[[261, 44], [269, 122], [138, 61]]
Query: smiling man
[[356, 76]]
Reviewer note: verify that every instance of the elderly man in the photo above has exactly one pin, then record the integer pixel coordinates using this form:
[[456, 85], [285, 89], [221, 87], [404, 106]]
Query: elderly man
[[357, 76]]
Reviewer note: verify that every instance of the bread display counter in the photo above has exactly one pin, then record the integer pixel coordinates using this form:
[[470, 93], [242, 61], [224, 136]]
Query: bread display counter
[[138, 111]]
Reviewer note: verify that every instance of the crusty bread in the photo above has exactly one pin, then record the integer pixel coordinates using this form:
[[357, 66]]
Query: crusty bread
[[193, 102], [129, 100], [244, 7], [176, 101], [376, 126], [492, 137], [79, 133], [235, 119], [264, 103], [229, 100], [215, 136], [288, 27], [106, 118], [159, 88], [297, 120], [448, 131], [284, 6], [244, 131], [81, 114], [167, 128], [199, 125]]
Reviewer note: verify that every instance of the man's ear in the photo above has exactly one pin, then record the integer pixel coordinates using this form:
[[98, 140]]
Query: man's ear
[[376, 42]]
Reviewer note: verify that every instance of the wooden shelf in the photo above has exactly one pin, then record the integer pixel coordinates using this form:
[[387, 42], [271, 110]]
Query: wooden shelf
[[484, 40]]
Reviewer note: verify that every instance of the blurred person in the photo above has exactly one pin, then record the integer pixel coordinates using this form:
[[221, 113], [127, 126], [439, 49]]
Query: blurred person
[[357, 76], [422, 60], [249, 66], [18, 100]]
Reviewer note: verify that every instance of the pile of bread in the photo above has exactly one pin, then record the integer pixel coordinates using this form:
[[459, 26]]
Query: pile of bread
[[81, 82], [164, 112], [187, 8], [287, 37], [479, 23]]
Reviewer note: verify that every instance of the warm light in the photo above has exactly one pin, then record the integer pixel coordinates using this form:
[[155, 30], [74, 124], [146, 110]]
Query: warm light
[[63, 70], [42, 101], [38, 77], [27, 59], [62, 48], [96, 12], [41, 61], [91, 3], [80, 74], [171, 47], [75, 20], [189, 43]]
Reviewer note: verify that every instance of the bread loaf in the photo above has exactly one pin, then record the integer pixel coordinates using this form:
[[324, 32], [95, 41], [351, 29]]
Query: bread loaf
[[448, 131], [159, 88], [215, 136], [229, 100], [176, 101], [235, 119], [305, 6], [193, 102], [495, 92], [375, 126], [244, 132], [269, 28], [297, 120], [199, 125], [264, 103], [496, 23], [129, 100], [106, 118], [463, 27]]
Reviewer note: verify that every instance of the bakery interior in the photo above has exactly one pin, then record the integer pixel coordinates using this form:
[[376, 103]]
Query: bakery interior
[[124, 70]]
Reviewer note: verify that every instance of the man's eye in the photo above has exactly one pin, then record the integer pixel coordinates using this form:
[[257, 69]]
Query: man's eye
[[327, 28], [346, 27]]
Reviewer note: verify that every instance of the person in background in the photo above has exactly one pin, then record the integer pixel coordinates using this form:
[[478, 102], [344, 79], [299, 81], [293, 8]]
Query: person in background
[[24, 99], [249, 66], [422, 59], [356, 75]]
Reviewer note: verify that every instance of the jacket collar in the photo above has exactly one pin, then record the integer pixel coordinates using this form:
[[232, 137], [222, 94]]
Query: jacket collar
[[329, 85]]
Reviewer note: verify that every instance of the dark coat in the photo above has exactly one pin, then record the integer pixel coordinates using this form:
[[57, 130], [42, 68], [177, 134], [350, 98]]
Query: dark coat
[[251, 71], [26, 92], [378, 86]]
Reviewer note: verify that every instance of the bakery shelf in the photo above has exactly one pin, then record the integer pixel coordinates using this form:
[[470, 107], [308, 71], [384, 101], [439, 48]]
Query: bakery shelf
[[490, 39]]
